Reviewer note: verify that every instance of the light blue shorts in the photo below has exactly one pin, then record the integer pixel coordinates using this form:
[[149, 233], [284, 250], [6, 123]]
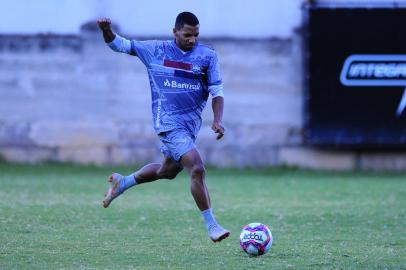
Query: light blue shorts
[[176, 143]]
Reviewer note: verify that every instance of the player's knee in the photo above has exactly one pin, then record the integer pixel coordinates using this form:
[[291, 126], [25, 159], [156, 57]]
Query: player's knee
[[168, 174], [171, 175], [198, 170]]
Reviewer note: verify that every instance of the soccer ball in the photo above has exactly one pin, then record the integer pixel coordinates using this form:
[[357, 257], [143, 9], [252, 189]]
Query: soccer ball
[[255, 239]]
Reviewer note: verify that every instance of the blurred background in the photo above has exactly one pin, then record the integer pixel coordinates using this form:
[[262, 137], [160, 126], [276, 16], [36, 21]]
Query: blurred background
[[312, 84]]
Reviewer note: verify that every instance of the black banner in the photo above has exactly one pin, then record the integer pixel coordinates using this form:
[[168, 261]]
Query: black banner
[[355, 76]]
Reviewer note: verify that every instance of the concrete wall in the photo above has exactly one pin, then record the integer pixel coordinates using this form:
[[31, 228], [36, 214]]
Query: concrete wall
[[72, 99], [256, 18]]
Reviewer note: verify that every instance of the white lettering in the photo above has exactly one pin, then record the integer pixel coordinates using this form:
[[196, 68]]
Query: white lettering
[[377, 70], [184, 85]]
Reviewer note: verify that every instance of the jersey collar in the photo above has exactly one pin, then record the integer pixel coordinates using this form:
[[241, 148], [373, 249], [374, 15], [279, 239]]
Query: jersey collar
[[181, 51]]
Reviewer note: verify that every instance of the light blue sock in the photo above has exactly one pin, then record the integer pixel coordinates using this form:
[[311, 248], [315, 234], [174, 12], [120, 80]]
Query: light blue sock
[[208, 217], [127, 182]]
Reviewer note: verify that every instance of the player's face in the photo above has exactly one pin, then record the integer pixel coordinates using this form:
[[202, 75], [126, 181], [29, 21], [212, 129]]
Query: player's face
[[186, 37]]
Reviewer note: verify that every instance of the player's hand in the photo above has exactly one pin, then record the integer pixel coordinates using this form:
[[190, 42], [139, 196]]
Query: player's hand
[[218, 128], [104, 24]]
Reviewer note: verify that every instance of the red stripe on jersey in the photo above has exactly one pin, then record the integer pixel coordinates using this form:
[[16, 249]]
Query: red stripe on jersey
[[179, 65]]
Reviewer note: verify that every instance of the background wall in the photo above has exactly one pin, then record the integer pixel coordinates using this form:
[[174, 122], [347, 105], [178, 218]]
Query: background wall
[[238, 18], [65, 96], [73, 99]]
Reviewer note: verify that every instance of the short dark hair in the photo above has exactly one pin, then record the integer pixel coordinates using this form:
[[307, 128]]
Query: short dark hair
[[186, 18]]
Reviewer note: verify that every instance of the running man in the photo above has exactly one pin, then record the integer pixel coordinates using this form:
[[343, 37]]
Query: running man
[[182, 74]]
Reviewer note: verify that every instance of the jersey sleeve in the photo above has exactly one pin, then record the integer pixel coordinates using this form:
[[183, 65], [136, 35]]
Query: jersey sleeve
[[143, 49], [214, 81], [120, 44]]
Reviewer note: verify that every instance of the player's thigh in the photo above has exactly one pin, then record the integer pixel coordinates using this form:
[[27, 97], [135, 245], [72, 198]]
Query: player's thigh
[[170, 167], [192, 160], [177, 143]]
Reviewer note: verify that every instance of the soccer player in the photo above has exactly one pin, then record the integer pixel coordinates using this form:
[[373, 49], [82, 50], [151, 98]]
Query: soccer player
[[182, 74]]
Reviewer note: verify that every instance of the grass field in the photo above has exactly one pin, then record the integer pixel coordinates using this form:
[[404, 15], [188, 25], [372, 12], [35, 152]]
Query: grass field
[[51, 218]]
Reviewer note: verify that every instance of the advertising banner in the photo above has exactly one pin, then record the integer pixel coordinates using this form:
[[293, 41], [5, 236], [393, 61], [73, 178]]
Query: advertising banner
[[355, 76]]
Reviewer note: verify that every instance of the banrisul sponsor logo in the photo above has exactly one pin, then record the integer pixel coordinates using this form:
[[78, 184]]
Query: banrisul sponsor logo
[[174, 84], [374, 70]]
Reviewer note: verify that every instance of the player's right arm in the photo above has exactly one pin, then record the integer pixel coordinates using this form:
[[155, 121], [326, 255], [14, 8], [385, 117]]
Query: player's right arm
[[114, 41]]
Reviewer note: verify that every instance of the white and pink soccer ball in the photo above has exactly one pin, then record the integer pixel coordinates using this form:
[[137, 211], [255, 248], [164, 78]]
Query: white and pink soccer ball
[[256, 239]]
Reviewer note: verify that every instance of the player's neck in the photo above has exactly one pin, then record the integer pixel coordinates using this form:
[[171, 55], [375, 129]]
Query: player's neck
[[182, 49]]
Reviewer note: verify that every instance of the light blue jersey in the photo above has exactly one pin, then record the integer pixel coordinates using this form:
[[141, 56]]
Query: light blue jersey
[[180, 81]]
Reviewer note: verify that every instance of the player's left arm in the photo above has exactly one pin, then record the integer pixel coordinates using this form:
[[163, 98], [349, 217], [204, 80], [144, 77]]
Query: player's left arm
[[216, 90], [218, 107]]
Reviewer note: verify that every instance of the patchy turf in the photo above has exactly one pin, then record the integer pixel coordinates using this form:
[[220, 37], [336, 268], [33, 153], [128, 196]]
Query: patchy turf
[[51, 218]]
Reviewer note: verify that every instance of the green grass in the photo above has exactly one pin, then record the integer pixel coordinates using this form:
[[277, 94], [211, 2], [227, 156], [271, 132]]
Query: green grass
[[51, 218]]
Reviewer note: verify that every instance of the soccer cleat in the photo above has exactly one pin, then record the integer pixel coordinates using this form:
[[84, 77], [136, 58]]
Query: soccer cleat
[[114, 189], [217, 233]]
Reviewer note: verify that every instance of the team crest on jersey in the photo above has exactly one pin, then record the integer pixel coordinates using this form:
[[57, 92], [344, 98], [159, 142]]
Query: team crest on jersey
[[196, 69]]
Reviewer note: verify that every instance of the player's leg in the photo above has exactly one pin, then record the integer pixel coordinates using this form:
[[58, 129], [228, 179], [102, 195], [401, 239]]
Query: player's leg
[[168, 169], [193, 163]]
